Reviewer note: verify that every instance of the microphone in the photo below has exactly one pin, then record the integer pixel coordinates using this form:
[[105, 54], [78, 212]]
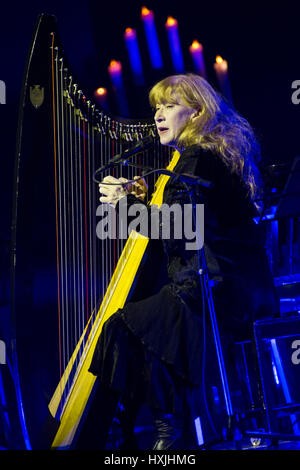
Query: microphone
[[140, 146]]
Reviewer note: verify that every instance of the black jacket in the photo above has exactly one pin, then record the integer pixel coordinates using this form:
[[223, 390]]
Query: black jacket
[[169, 323]]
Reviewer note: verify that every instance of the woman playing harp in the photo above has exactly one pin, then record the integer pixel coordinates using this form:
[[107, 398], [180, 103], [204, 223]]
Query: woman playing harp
[[150, 351]]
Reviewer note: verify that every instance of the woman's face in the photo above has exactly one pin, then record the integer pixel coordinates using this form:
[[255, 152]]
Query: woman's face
[[169, 119]]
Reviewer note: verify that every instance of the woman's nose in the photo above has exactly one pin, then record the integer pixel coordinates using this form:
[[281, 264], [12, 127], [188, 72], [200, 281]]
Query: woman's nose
[[159, 116]]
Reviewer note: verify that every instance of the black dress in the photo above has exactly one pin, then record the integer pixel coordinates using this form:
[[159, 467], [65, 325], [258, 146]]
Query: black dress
[[154, 346]]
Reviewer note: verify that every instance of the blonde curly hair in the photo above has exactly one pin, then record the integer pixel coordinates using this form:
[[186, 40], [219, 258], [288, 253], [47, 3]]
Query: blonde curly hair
[[218, 128]]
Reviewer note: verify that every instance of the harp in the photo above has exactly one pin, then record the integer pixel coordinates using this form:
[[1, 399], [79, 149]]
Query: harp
[[65, 281]]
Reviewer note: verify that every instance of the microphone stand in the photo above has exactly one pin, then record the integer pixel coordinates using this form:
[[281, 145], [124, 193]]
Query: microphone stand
[[190, 181]]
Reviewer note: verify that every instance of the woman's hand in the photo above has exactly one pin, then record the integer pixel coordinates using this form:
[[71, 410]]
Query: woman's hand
[[139, 188], [111, 191]]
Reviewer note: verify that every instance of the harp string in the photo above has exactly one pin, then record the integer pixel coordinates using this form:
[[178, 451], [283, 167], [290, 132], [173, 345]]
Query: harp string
[[64, 221], [85, 223], [79, 214], [93, 215], [67, 214], [90, 217], [56, 203], [72, 227], [61, 182], [73, 215], [81, 220]]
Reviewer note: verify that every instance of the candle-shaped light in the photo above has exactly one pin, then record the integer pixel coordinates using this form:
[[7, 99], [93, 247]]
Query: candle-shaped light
[[174, 43], [221, 68], [196, 51], [134, 55], [115, 72], [151, 36], [101, 97]]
